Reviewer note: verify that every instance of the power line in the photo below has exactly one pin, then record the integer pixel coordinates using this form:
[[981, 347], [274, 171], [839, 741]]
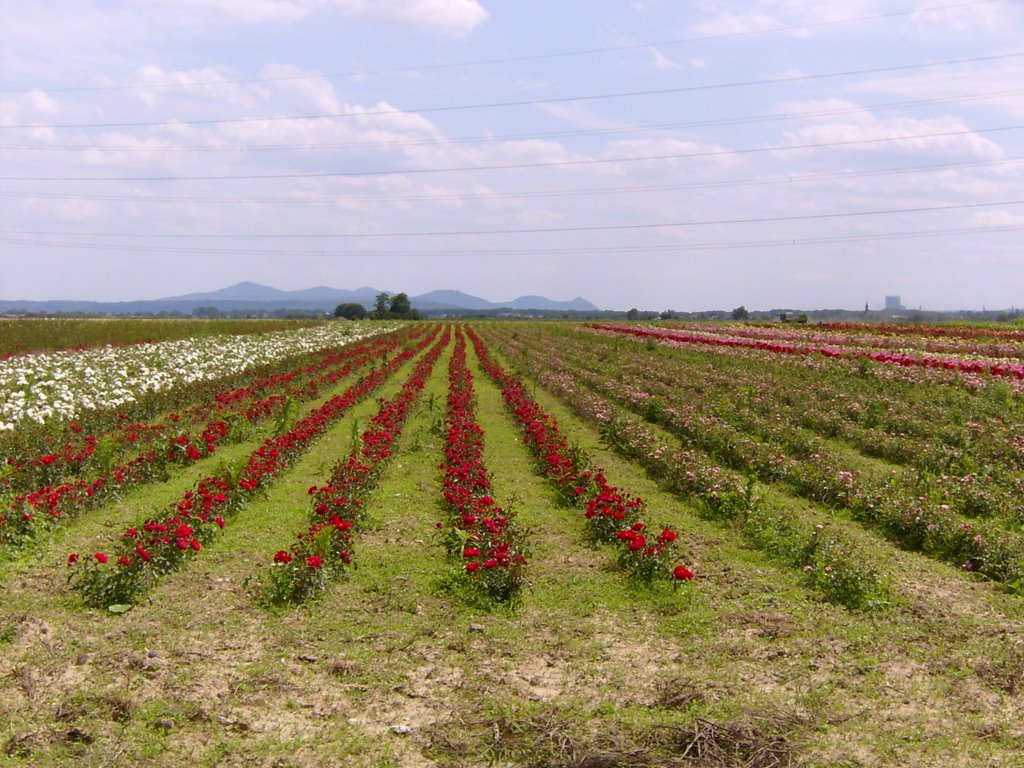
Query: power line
[[534, 102], [521, 166], [514, 59], [480, 253], [534, 230], [740, 120], [571, 192]]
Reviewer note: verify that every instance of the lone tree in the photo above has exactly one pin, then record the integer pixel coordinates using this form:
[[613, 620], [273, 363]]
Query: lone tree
[[350, 311], [400, 305], [740, 313], [397, 307]]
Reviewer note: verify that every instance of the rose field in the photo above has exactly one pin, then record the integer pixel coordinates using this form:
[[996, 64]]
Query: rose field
[[513, 543]]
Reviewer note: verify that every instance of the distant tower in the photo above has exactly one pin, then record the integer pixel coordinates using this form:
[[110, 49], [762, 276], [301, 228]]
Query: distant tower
[[865, 307], [893, 303]]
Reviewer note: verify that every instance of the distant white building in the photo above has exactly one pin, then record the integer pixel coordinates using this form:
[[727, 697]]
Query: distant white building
[[893, 303]]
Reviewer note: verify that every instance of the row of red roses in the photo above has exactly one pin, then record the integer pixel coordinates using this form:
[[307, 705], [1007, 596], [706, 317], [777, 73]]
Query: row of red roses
[[478, 532], [45, 507], [324, 550], [611, 514], [143, 556], [253, 401]]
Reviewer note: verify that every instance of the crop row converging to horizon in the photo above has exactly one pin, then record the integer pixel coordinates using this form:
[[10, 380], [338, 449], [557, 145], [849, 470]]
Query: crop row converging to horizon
[[920, 444], [647, 504]]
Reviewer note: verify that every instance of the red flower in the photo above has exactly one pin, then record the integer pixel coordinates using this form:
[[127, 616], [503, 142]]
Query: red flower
[[144, 554], [124, 560], [196, 545], [682, 573], [219, 521], [72, 558], [100, 557], [282, 557], [638, 543], [471, 552], [183, 543], [470, 567], [667, 536], [314, 561]]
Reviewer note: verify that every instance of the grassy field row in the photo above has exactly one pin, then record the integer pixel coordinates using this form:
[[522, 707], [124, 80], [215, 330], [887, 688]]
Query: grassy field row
[[24, 335]]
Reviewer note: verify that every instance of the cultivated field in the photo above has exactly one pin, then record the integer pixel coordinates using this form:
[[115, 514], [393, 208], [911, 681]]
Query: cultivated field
[[511, 543]]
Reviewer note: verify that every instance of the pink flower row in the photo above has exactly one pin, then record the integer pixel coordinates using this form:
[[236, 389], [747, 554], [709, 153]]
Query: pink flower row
[[1010, 370]]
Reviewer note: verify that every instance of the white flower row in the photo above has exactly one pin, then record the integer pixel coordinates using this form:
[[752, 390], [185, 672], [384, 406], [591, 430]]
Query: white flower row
[[61, 385]]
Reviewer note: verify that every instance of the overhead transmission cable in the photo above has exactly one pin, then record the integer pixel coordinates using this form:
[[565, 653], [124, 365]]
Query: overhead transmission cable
[[740, 120], [520, 166], [531, 102], [514, 59]]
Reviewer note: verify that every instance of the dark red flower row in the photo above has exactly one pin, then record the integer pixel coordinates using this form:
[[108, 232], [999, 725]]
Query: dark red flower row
[[324, 550], [48, 505], [144, 556], [612, 515], [251, 401], [478, 532]]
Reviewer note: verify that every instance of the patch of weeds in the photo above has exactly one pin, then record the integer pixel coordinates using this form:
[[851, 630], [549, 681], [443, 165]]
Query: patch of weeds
[[1005, 674], [678, 694], [840, 573], [754, 742], [552, 739], [164, 716], [83, 705], [9, 630], [667, 598], [541, 739], [22, 745], [475, 594]]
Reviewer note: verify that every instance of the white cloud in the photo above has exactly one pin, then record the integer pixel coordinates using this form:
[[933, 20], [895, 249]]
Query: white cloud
[[451, 17], [41, 103], [860, 130], [986, 16], [153, 85], [731, 23], [454, 17], [663, 62], [578, 115], [251, 11]]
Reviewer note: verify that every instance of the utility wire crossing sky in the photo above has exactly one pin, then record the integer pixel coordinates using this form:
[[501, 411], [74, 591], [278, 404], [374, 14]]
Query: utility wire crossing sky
[[654, 154]]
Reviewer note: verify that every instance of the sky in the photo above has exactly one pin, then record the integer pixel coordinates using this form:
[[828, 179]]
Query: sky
[[656, 154]]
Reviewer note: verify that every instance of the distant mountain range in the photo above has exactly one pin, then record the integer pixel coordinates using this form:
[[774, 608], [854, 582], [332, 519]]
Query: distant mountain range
[[253, 296]]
